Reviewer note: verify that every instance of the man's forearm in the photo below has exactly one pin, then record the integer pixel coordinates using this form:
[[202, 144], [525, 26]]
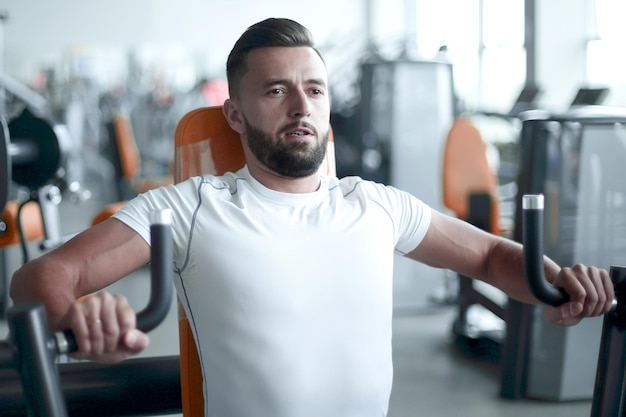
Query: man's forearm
[[47, 283], [506, 270]]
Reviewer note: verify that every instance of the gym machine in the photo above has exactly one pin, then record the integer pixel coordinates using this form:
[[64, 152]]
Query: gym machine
[[33, 152], [144, 386], [478, 334], [608, 396], [576, 161]]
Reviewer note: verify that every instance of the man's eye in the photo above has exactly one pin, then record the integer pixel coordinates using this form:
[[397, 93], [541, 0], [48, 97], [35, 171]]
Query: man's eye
[[276, 91]]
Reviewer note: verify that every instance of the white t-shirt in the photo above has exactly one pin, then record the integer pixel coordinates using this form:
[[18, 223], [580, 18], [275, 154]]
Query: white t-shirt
[[289, 296]]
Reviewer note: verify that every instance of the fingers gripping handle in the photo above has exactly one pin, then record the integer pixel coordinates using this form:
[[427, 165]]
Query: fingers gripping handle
[[161, 255], [545, 292]]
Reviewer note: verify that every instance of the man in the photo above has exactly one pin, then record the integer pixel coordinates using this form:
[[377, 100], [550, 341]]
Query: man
[[284, 274]]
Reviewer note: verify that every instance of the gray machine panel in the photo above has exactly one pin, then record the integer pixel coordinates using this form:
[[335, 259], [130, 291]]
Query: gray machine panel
[[585, 221]]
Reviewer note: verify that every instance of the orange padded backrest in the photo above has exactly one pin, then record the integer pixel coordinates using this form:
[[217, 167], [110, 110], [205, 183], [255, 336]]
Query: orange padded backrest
[[466, 171], [205, 144], [130, 160], [32, 223], [130, 164]]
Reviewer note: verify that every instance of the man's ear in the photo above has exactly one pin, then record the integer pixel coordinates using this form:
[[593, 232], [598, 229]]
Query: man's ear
[[233, 115]]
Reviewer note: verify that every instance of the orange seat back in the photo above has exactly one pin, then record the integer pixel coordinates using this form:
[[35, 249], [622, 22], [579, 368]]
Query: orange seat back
[[130, 160], [31, 220], [206, 144], [466, 171]]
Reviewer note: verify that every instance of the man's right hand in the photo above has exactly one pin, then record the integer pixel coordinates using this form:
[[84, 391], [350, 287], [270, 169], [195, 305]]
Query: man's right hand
[[104, 326]]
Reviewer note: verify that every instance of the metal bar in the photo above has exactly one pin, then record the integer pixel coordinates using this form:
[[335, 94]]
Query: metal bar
[[5, 164], [34, 360], [22, 151], [134, 387], [608, 394], [519, 316], [35, 101], [36, 349], [161, 272], [532, 205], [49, 198], [161, 279], [515, 350]]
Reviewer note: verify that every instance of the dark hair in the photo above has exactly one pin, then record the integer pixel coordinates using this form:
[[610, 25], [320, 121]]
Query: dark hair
[[267, 33]]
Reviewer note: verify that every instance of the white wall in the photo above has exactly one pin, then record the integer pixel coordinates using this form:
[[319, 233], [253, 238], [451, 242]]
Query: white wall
[[39, 33], [561, 37]]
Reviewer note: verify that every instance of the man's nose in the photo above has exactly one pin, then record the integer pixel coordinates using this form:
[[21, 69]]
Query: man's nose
[[300, 106]]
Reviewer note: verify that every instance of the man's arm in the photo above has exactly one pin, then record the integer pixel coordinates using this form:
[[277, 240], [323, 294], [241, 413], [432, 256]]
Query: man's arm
[[456, 245], [87, 263]]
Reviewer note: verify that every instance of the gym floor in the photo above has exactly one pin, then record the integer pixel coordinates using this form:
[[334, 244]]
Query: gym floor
[[431, 377]]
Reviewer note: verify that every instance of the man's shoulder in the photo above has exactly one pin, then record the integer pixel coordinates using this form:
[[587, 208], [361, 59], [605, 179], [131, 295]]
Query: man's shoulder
[[228, 180], [356, 184], [360, 188]]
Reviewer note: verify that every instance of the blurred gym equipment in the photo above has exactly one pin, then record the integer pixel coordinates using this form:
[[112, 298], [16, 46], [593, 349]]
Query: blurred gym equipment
[[576, 161], [589, 97], [127, 162], [608, 392], [481, 191], [33, 153], [470, 190], [137, 386], [406, 108]]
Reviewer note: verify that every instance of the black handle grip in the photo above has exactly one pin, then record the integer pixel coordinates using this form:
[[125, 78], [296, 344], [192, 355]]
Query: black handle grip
[[161, 272], [161, 291], [545, 292]]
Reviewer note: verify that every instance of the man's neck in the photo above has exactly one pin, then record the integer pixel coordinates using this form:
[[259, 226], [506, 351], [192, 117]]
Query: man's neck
[[275, 182]]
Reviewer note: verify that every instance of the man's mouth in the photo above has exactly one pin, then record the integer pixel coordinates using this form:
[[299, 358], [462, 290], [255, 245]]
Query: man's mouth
[[300, 130]]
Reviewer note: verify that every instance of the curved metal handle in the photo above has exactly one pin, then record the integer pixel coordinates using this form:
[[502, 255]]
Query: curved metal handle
[[5, 164], [532, 206], [161, 279], [161, 272]]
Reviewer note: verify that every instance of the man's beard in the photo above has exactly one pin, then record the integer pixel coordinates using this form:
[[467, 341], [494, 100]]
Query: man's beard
[[292, 159]]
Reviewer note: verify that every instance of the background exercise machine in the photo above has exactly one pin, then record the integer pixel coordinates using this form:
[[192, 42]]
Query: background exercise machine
[[135, 387], [576, 161], [33, 153], [608, 397]]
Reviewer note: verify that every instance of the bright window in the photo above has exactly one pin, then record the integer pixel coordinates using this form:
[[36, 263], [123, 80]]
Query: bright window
[[487, 51], [606, 61]]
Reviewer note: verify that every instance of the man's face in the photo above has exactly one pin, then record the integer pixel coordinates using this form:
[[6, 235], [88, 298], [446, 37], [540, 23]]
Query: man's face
[[285, 109]]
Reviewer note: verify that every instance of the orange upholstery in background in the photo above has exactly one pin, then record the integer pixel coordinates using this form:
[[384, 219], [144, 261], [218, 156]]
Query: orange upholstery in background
[[130, 164], [466, 171], [32, 223], [130, 161], [107, 212]]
